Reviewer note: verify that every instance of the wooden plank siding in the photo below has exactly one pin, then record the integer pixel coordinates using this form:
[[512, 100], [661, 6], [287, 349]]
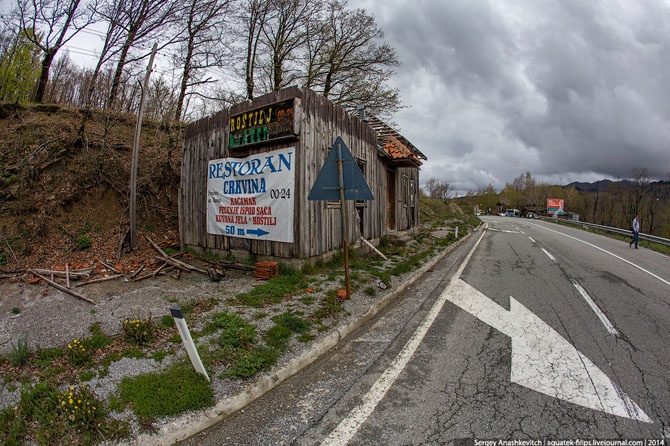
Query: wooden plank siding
[[317, 224]]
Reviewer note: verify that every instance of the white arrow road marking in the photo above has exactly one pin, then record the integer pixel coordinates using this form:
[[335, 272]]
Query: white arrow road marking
[[542, 359], [538, 353]]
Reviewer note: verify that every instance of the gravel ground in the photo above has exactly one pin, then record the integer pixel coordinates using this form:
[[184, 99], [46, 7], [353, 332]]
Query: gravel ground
[[51, 318]]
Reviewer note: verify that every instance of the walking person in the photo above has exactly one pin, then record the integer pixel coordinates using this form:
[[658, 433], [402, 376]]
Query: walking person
[[636, 232]]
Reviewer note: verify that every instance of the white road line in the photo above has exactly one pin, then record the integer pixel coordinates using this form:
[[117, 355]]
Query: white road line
[[531, 239], [606, 322], [610, 253], [348, 427], [553, 259]]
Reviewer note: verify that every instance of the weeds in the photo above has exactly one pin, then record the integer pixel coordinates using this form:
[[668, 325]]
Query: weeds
[[139, 332], [79, 354], [72, 417], [20, 352]]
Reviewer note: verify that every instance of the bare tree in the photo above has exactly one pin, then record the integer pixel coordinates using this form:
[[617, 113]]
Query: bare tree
[[439, 189], [50, 24], [251, 21], [283, 35], [142, 20], [347, 63], [111, 12], [200, 47]]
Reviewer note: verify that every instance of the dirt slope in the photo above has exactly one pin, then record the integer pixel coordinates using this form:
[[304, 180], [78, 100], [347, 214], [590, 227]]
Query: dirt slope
[[64, 194]]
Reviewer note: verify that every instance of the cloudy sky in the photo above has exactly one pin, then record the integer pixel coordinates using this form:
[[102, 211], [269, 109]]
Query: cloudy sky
[[569, 90]]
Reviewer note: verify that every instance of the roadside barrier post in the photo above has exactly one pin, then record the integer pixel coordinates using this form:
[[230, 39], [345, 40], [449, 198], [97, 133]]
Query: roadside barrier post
[[178, 316]]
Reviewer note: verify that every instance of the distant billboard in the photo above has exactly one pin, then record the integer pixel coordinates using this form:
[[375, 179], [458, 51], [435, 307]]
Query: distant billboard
[[555, 206]]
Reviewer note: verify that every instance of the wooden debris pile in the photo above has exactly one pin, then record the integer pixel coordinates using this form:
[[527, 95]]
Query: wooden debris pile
[[65, 279]]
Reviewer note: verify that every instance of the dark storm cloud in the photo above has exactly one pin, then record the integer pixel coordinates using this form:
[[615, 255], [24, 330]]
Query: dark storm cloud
[[568, 90]]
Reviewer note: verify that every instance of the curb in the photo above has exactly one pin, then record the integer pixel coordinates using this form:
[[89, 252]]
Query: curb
[[189, 425]]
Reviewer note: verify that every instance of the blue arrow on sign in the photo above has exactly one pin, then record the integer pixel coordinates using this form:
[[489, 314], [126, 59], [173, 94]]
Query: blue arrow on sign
[[327, 185], [257, 232]]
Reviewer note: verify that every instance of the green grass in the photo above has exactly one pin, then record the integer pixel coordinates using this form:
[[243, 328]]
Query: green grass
[[288, 283], [170, 392], [247, 364]]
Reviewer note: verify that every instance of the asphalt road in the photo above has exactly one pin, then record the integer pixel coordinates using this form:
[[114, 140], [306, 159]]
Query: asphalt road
[[529, 331]]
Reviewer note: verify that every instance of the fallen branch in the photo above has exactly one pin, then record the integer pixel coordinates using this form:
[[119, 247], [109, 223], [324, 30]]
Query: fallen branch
[[102, 279], [11, 250], [110, 267], [229, 265], [181, 265], [163, 268], [61, 287], [137, 273], [174, 262], [79, 274]]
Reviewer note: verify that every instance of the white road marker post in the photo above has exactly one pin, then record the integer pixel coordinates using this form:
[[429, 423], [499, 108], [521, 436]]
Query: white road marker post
[[178, 316]]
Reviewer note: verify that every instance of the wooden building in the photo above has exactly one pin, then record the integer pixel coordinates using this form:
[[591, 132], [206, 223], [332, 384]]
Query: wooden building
[[247, 173]]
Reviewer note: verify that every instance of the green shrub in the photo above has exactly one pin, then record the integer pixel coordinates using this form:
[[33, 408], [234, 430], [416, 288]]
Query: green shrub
[[287, 283], [84, 242], [167, 321], [98, 337], [330, 307], [81, 409], [235, 332], [238, 337]]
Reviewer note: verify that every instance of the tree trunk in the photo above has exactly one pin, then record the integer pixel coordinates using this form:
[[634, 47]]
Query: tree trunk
[[184, 80], [44, 75]]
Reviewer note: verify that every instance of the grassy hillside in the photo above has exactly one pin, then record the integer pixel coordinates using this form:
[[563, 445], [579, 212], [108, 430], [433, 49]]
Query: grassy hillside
[[64, 196]]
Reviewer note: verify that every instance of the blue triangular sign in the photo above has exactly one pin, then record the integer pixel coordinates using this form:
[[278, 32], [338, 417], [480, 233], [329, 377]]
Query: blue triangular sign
[[327, 184]]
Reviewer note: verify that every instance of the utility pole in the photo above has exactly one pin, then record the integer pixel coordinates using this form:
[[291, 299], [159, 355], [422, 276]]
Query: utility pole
[[136, 149]]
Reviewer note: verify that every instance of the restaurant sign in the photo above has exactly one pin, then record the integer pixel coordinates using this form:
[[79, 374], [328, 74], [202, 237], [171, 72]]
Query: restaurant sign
[[262, 124], [252, 197]]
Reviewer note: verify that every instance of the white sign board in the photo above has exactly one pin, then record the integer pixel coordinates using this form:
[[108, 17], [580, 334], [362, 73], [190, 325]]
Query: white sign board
[[252, 197]]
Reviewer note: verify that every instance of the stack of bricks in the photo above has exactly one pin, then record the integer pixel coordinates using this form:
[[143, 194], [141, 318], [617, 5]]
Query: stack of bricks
[[266, 270]]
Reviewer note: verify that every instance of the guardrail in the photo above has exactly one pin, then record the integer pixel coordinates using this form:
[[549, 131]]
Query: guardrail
[[651, 238]]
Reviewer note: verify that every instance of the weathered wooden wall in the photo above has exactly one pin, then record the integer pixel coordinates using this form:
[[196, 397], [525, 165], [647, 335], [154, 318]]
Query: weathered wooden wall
[[407, 198], [317, 226]]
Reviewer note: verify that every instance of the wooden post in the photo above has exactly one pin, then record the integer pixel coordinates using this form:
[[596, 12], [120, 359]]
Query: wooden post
[[343, 214], [136, 148]]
